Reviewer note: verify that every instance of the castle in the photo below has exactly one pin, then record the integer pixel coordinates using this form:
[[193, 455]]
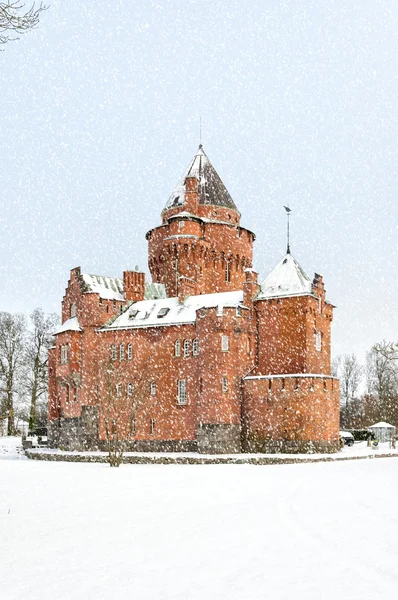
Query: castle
[[203, 358]]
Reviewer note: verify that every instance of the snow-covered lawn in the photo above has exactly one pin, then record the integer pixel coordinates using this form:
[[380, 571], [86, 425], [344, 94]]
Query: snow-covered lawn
[[84, 531]]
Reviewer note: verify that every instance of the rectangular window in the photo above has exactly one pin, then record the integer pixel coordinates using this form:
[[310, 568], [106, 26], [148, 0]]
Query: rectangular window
[[113, 352], [238, 311], [224, 384], [64, 354], [283, 384], [182, 391], [195, 347], [152, 426], [129, 389], [133, 426], [119, 389], [130, 351], [177, 348], [153, 388], [224, 343], [121, 351]]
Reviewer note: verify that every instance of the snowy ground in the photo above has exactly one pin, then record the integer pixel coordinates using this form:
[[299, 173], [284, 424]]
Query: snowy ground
[[85, 531]]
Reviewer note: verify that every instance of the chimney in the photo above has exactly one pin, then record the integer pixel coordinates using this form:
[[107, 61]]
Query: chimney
[[134, 285], [318, 287], [250, 288]]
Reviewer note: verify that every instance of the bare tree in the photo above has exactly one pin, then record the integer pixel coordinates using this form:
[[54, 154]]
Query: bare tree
[[16, 19], [348, 369], [382, 378], [119, 404], [35, 377], [12, 345]]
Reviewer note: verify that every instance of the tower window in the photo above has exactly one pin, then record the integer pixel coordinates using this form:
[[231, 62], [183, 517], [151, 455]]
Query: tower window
[[113, 352], [227, 272], [283, 385], [73, 310], [153, 388], [238, 311], [224, 343], [64, 355], [133, 426], [129, 389], [152, 426], [187, 348], [195, 347], [318, 341], [182, 392], [324, 385], [130, 351], [224, 384], [121, 351], [119, 389], [177, 348], [296, 386]]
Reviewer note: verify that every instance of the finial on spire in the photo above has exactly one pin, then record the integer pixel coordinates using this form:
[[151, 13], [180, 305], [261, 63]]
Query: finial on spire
[[288, 211], [200, 133]]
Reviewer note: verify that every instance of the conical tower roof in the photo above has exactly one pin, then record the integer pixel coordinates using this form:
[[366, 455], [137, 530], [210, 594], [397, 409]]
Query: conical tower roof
[[212, 191], [286, 279]]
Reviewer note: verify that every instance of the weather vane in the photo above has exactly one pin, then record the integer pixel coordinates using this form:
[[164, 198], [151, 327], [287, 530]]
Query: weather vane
[[288, 211]]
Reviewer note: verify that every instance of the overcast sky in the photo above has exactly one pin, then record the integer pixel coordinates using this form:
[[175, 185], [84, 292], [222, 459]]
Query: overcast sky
[[99, 117]]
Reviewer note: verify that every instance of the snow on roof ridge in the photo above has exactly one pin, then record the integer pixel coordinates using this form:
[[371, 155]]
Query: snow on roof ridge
[[381, 424], [71, 324], [286, 279]]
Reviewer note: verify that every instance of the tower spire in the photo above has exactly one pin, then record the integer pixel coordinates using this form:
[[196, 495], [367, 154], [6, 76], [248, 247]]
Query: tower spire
[[288, 211]]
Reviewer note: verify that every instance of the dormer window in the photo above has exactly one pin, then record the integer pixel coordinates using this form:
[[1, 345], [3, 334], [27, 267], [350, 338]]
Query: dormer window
[[163, 312], [133, 314]]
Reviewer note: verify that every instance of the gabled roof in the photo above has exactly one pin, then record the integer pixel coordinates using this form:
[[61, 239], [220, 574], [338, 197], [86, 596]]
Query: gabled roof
[[111, 288], [212, 191], [71, 324], [169, 311], [286, 279]]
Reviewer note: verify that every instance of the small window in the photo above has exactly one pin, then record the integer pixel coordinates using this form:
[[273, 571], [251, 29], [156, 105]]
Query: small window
[[324, 385], [100, 301], [119, 389], [224, 384], [163, 312], [152, 426], [153, 388], [182, 391], [283, 385], [312, 385], [270, 385], [130, 351], [238, 311], [121, 351], [227, 272], [177, 348], [195, 347], [113, 352], [64, 354], [133, 426], [318, 341], [296, 385], [114, 305], [187, 348], [133, 314], [129, 389], [73, 310], [224, 343]]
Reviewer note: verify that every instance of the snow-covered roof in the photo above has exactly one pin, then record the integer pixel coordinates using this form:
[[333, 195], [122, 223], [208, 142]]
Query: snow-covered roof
[[108, 288], [381, 425], [169, 311], [111, 288], [71, 324], [286, 279], [211, 188]]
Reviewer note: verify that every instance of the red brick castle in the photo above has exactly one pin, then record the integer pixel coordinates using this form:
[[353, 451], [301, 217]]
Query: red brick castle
[[203, 358]]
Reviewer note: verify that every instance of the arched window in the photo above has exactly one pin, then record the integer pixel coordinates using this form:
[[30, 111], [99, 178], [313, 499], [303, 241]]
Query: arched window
[[129, 389], [224, 343], [318, 341], [195, 347], [113, 352], [119, 389], [187, 348], [130, 351], [73, 310], [177, 348], [121, 351], [153, 388], [224, 384], [227, 272]]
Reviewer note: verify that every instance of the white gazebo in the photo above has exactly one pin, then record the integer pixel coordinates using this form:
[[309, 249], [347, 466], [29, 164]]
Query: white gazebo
[[383, 432]]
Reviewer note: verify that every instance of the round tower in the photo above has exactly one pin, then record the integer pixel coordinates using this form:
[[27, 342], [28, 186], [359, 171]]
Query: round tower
[[200, 247]]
